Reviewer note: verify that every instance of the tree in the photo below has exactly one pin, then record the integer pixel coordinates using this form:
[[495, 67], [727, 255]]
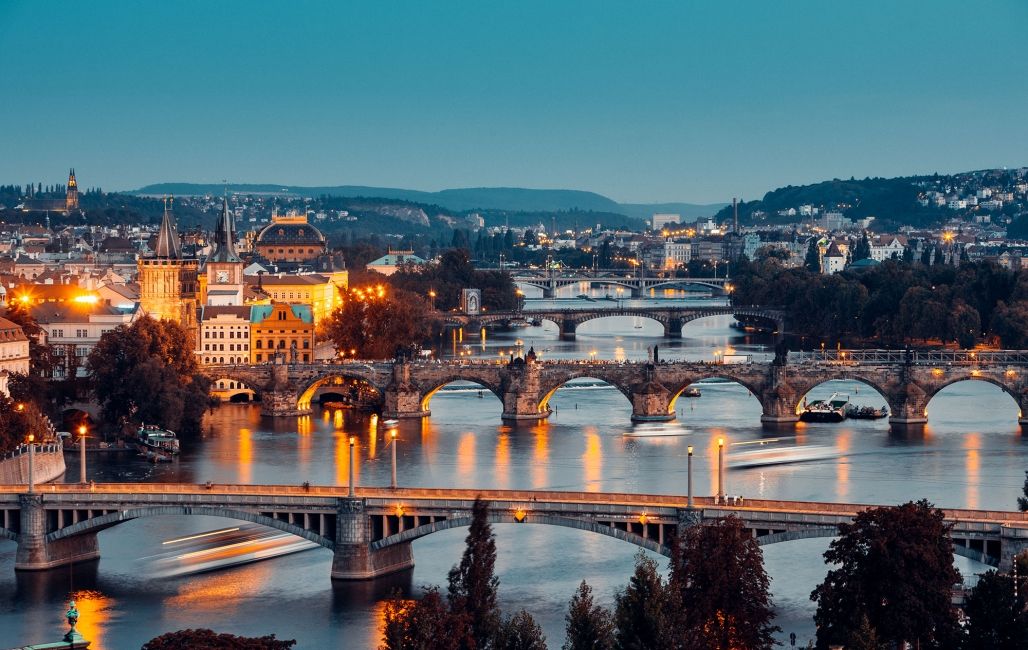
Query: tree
[[1022, 502], [997, 619], [472, 583], [587, 626], [202, 639], [148, 372], [18, 420], [520, 632], [894, 565], [643, 610], [862, 250], [424, 624], [812, 261], [718, 577], [1010, 324], [374, 322]]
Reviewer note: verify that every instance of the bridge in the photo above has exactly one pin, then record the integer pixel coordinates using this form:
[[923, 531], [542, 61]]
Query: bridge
[[550, 281], [370, 532], [404, 389], [673, 319]]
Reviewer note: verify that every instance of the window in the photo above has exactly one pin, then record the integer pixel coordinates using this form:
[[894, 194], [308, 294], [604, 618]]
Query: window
[[232, 335], [221, 334], [259, 344], [306, 345], [282, 344], [259, 359], [221, 347], [207, 347], [305, 357]]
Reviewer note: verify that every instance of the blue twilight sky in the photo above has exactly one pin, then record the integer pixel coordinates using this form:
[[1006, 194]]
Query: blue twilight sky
[[641, 101]]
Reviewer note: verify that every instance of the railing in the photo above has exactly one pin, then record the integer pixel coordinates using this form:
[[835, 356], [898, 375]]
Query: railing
[[41, 448], [913, 357]]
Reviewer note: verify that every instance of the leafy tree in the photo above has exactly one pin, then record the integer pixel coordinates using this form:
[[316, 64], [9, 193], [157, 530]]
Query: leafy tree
[[520, 632], [17, 421], [148, 372], [1010, 324], [202, 639], [1022, 502], [717, 574], [644, 610], [472, 583], [894, 565], [997, 619], [375, 321], [587, 625], [425, 624], [812, 261], [862, 250]]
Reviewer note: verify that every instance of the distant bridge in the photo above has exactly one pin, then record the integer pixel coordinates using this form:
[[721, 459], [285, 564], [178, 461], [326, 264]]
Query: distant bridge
[[370, 533], [672, 319], [550, 281], [907, 381]]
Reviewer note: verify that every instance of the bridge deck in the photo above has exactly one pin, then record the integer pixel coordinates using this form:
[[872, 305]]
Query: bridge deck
[[146, 493]]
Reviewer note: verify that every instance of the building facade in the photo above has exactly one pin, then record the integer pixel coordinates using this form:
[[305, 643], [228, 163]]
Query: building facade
[[168, 284], [14, 352], [224, 335], [224, 268], [290, 239], [283, 332]]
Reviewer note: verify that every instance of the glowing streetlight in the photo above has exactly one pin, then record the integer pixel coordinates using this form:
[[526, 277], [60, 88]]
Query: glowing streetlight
[[689, 474], [82, 454], [32, 463], [353, 441], [431, 294], [392, 435], [720, 469]]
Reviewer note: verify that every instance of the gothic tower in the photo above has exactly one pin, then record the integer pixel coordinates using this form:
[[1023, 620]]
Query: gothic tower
[[224, 268], [71, 202], [168, 281]]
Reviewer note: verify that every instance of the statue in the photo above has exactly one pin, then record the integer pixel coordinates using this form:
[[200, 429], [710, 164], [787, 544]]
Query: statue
[[292, 353], [73, 635]]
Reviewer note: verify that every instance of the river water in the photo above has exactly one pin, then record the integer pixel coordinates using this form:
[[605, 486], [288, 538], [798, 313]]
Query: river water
[[971, 455]]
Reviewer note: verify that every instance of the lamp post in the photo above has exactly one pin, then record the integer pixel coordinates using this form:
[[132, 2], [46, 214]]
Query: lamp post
[[32, 463], [82, 454], [689, 473], [353, 441], [431, 294], [392, 483], [720, 469]]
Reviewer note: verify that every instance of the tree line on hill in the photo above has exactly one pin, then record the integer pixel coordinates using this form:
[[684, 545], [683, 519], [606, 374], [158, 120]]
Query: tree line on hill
[[894, 303], [890, 584]]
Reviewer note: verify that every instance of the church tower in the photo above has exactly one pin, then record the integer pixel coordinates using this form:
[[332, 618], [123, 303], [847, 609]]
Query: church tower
[[224, 268], [168, 281], [71, 202]]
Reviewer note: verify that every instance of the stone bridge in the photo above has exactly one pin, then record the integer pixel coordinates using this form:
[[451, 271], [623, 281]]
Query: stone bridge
[[404, 389], [550, 281], [370, 533], [673, 319]]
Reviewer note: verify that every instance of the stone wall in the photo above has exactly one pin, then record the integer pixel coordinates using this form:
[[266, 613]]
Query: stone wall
[[48, 467]]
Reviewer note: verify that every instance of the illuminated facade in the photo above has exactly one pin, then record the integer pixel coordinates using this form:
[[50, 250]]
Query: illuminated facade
[[14, 352], [281, 329], [290, 239], [224, 335], [319, 290], [168, 286], [224, 269]]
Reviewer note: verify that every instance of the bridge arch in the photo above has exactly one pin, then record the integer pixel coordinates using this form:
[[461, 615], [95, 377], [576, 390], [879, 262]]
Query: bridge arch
[[976, 375], [661, 319], [548, 389], [891, 402], [428, 389], [822, 532], [681, 388], [242, 383], [506, 518], [336, 378], [103, 522]]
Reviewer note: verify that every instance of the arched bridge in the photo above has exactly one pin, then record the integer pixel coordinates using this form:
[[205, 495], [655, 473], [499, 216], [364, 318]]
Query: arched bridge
[[404, 389], [370, 533], [550, 281]]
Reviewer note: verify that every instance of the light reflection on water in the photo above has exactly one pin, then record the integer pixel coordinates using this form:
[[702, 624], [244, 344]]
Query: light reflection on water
[[971, 455]]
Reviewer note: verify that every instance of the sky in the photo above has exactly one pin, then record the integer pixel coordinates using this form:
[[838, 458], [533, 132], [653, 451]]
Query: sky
[[641, 101]]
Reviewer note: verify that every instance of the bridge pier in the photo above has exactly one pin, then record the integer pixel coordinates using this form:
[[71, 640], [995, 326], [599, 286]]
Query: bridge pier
[[651, 402], [281, 399], [35, 553], [673, 328], [522, 393], [567, 329], [353, 557], [402, 398], [638, 292], [1012, 542]]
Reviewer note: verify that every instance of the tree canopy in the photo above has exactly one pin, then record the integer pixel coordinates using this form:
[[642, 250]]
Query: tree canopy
[[375, 321], [203, 639], [147, 372]]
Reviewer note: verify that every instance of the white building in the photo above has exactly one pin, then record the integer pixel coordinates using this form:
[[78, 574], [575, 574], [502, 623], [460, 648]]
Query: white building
[[73, 330], [661, 219], [224, 334], [834, 260], [14, 352], [885, 248]]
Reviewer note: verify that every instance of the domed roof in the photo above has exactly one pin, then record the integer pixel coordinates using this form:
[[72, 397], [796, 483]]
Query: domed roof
[[290, 234]]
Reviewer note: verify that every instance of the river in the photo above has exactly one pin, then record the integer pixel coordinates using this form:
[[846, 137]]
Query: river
[[971, 455]]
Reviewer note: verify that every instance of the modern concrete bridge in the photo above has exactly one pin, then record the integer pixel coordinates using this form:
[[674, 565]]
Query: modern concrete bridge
[[370, 533], [673, 319], [551, 281], [404, 389]]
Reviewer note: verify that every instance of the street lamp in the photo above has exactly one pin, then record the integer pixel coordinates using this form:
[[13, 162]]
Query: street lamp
[[720, 469], [32, 463], [82, 454], [392, 434], [353, 441], [689, 473], [592, 356], [431, 294]]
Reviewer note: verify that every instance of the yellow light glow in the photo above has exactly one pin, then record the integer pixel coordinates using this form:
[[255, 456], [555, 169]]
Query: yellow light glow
[[353, 440], [200, 536], [519, 515], [86, 299], [720, 442], [643, 518], [399, 510]]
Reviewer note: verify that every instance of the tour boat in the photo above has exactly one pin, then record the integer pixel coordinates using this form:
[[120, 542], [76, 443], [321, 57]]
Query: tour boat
[[690, 391], [390, 424], [157, 440], [832, 409], [220, 549], [775, 455]]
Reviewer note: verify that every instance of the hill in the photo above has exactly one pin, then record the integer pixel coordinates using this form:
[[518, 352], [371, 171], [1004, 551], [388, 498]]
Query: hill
[[514, 199]]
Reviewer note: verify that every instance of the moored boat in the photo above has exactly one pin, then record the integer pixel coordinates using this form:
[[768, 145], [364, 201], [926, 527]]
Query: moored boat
[[867, 412], [161, 442], [690, 391], [832, 409]]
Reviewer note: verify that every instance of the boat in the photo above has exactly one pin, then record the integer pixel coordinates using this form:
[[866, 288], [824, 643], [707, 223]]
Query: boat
[[220, 549], [690, 391], [832, 409], [583, 296], [157, 440], [390, 424], [333, 405], [867, 412], [778, 455]]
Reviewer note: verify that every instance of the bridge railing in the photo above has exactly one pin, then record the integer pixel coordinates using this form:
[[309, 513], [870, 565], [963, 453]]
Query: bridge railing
[[913, 357]]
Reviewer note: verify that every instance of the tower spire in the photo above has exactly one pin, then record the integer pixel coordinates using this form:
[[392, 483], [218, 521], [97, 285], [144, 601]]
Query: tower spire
[[224, 239], [167, 237]]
